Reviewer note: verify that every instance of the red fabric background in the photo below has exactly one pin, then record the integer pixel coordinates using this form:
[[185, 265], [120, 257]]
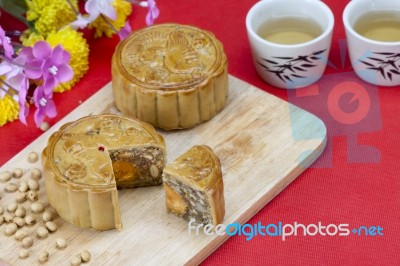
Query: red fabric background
[[353, 193]]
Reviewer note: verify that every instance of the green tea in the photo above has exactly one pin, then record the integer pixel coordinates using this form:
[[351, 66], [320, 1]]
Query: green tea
[[290, 30], [381, 26]]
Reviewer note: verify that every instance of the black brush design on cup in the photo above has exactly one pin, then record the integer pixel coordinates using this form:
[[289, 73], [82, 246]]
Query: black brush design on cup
[[291, 67], [386, 63]]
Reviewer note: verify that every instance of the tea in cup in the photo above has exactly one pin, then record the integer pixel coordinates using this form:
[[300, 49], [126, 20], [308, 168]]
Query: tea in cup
[[373, 39], [290, 41]]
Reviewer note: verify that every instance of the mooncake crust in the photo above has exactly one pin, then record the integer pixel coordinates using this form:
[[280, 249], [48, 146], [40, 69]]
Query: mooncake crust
[[171, 76], [84, 202]]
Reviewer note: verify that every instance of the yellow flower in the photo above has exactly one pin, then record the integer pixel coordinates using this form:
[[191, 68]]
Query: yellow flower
[[9, 110], [29, 38], [50, 15], [123, 9], [73, 42]]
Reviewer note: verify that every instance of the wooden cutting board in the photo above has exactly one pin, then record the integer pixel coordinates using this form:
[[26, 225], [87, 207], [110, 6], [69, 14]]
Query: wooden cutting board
[[263, 143]]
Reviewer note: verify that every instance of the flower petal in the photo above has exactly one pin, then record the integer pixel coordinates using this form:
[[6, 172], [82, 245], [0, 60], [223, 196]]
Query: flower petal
[[38, 117], [48, 85], [60, 56], [50, 109], [5, 67], [23, 106], [64, 73], [81, 22], [125, 31], [92, 9], [5, 42], [41, 50], [109, 12]]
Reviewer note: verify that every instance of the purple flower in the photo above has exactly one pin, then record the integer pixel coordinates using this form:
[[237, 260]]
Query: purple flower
[[23, 106], [125, 31], [44, 105], [50, 65], [15, 77], [81, 22], [96, 8], [6, 43], [152, 13]]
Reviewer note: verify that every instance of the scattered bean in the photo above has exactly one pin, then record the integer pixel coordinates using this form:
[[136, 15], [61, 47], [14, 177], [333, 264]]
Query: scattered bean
[[18, 173], [21, 234], [61, 243], [30, 219], [49, 215], [37, 207], [85, 256], [1, 219], [5, 176], [1, 210], [36, 173], [51, 226], [42, 232], [27, 242], [33, 157], [43, 256], [12, 207], [8, 217], [11, 228], [24, 254], [19, 221], [20, 198], [20, 212], [23, 186], [33, 184], [32, 195], [44, 126], [11, 187], [76, 261]]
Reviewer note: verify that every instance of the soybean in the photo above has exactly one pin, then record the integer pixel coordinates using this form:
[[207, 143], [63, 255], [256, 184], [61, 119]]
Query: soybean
[[27, 242], [33, 157], [17, 173], [5, 176]]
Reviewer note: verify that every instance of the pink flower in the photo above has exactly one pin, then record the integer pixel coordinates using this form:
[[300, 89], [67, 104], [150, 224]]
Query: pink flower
[[152, 13], [23, 106], [50, 65], [81, 22], [96, 8], [15, 77], [6, 43], [125, 31], [44, 105]]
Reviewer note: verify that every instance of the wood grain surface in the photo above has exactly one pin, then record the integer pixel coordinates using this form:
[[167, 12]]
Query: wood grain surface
[[263, 143]]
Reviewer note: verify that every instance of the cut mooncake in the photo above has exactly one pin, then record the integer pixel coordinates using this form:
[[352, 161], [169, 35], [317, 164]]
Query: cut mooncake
[[171, 76], [194, 186], [86, 160]]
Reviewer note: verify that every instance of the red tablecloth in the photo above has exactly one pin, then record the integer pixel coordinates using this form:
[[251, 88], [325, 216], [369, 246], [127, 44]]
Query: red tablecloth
[[360, 189]]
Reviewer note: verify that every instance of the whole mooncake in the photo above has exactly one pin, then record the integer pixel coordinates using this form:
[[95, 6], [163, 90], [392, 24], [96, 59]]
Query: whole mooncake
[[171, 76], [86, 160]]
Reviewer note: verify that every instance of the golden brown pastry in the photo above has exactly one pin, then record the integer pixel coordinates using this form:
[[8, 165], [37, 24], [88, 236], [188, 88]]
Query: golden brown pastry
[[86, 160], [194, 187], [171, 76]]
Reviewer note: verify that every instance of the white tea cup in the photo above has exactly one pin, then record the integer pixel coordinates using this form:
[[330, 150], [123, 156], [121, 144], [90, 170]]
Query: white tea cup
[[290, 66], [376, 62]]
